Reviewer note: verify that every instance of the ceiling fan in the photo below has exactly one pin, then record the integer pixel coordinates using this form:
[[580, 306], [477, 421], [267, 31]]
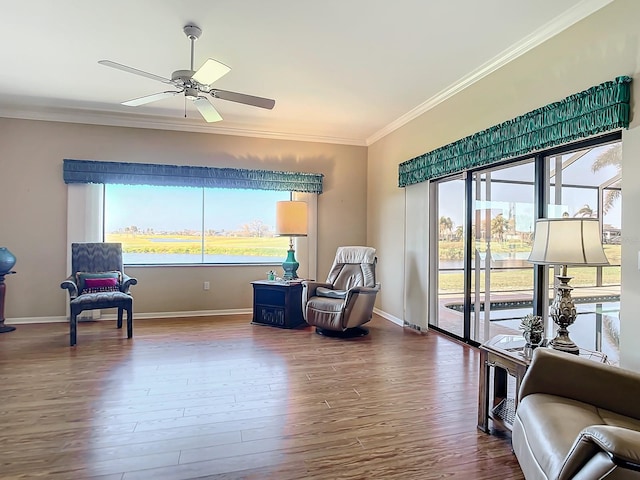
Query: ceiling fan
[[195, 85]]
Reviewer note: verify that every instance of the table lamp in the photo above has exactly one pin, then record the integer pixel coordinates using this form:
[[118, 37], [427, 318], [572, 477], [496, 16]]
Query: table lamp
[[566, 241], [291, 221]]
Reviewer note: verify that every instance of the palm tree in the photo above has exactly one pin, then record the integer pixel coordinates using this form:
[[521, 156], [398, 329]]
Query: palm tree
[[585, 212], [498, 227], [610, 157], [446, 226]]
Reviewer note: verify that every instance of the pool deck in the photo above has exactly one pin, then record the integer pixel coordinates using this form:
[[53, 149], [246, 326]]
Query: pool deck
[[451, 320]]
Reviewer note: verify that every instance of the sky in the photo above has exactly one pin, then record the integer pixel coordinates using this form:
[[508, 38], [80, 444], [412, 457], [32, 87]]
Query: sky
[[451, 202], [180, 208]]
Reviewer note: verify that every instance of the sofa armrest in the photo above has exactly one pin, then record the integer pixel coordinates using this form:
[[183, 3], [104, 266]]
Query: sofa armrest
[[594, 383], [621, 445], [70, 284]]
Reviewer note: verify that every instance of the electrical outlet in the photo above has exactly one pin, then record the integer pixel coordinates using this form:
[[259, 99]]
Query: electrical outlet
[[206, 286]]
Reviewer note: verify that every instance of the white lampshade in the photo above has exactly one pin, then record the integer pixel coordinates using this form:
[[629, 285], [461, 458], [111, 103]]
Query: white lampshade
[[291, 219], [568, 241]]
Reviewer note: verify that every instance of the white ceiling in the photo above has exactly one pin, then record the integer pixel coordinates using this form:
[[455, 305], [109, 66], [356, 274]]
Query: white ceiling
[[343, 71]]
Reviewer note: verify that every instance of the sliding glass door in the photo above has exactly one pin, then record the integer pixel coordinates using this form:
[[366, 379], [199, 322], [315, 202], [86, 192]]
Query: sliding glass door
[[450, 195], [498, 243], [501, 230], [482, 230]]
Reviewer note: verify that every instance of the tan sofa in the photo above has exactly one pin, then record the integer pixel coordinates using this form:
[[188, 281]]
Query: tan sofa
[[577, 419]]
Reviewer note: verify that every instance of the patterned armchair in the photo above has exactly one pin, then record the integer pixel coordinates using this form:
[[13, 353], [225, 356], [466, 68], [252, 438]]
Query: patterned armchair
[[98, 281]]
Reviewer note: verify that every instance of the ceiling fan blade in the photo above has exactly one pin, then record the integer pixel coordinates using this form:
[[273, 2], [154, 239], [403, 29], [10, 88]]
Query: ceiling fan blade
[[149, 98], [207, 111], [243, 98], [124, 68], [211, 71]]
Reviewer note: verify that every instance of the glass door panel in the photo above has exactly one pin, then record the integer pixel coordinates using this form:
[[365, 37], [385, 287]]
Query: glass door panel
[[450, 254], [502, 228], [586, 183]]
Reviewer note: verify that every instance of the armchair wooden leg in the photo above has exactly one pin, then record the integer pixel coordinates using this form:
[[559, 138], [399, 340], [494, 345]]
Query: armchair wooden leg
[[120, 317], [129, 323], [73, 327]]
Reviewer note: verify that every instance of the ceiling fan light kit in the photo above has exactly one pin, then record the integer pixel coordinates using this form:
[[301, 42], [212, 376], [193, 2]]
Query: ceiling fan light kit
[[194, 84]]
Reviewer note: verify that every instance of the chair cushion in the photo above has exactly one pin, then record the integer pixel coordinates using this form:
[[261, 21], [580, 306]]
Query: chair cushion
[[552, 424], [330, 293], [325, 304], [91, 301]]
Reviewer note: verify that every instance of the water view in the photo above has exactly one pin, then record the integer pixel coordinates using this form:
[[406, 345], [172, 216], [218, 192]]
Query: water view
[[189, 258]]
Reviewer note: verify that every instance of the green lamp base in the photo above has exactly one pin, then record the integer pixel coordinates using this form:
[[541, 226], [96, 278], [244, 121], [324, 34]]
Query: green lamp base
[[290, 266]]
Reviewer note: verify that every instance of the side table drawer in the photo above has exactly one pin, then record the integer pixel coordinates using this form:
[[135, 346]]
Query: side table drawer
[[270, 315], [270, 296], [497, 361]]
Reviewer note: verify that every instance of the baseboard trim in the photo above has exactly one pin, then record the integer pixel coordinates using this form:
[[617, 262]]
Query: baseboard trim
[[177, 315], [27, 320], [388, 316], [194, 313], [136, 315], [400, 322]]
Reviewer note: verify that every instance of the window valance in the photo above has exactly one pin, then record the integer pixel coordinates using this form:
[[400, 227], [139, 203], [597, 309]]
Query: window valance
[[599, 109], [87, 171]]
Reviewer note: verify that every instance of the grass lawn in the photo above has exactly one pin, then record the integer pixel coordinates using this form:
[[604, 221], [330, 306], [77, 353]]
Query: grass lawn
[[520, 279], [213, 245], [511, 280], [453, 250]]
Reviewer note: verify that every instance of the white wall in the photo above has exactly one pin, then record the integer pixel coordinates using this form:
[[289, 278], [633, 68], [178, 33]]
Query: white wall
[[595, 50]]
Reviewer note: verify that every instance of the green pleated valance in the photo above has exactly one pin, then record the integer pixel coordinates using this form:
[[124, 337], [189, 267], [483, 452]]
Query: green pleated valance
[[600, 109], [86, 171]]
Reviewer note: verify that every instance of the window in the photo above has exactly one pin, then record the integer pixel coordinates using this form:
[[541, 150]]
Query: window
[[482, 226], [587, 183], [187, 225]]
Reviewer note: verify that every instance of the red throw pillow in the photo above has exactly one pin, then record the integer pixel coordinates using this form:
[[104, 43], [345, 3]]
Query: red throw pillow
[[100, 282], [96, 285]]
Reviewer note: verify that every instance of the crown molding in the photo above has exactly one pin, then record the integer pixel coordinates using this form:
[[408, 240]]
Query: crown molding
[[121, 119], [118, 119], [539, 36]]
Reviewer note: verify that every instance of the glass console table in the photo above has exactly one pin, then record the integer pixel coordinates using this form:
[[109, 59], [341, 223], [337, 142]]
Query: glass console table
[[501, 356]]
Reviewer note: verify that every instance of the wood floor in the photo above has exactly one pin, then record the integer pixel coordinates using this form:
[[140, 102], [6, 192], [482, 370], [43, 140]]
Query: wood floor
[[219, 398]]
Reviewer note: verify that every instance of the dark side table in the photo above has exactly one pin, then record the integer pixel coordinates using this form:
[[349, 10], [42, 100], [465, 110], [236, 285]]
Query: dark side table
[[4, 328], [277, 303], [501, 356]]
